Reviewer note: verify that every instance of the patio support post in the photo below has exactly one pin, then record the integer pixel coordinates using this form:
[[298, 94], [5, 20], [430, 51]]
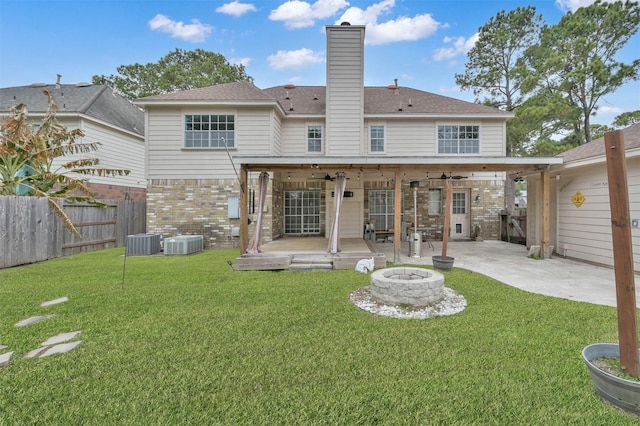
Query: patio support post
[[622, 251], [244, 206], [546, 223], [397, 218]]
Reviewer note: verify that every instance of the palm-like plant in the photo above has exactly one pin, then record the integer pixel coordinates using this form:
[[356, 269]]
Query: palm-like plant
[[30, 162]]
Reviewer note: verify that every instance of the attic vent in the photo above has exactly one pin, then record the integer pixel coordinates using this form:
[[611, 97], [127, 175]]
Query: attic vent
[[345, 24], [83, 84], [289, 86], [38, 84]]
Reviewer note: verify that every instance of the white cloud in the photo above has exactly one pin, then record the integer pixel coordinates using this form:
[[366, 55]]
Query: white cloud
[[400, 29], [573, 5], [235, 8], [240, 61], [195, 32], [301, 14], [294, 59], [459, 46], [609, 110]]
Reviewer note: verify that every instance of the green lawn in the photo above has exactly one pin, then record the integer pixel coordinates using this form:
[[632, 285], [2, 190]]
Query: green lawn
[[187, 340]]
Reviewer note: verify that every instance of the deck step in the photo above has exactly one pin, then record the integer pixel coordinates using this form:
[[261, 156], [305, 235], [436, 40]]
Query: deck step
[[301, 263], [306, 267]]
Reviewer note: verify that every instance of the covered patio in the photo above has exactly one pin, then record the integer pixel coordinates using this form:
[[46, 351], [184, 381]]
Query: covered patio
[[396, 170]]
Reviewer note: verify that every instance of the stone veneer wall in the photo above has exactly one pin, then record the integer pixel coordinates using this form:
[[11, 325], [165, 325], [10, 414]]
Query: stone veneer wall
[[485, 212], [199, 207]]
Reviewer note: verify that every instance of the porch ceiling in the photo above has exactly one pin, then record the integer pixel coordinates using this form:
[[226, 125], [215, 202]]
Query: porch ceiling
[[450, 164]]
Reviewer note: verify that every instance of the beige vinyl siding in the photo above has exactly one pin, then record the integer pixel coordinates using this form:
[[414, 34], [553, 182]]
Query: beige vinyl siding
[[294, 137], [276, 121], [585, 232], [351, 220], [345, 91], [168, 159], [409, 137], [117, 150]]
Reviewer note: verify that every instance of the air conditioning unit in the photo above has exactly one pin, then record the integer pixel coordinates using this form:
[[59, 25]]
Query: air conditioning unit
[[143, 244], [183, 244]]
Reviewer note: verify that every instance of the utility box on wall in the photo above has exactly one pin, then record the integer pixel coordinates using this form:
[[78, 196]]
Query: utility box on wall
[[143, 244], [183, 244]]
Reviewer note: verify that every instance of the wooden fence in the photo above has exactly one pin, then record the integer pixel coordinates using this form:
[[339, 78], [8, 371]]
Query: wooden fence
[[514, 228], [30, 231]]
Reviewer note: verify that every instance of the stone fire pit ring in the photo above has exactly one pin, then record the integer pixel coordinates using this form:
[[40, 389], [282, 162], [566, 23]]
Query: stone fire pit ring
[[407, 285]]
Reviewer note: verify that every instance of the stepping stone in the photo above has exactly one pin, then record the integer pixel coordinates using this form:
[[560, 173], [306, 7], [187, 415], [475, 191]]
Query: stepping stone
[[4, 359], [52, 350], [62, 337], [54, 301], [33, 320], [3, 347]]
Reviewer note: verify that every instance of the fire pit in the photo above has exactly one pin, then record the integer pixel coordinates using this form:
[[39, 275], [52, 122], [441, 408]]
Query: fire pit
[[407, 285]]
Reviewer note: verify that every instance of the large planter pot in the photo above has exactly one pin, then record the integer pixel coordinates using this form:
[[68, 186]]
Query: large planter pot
[[620, 392], [442, 264]]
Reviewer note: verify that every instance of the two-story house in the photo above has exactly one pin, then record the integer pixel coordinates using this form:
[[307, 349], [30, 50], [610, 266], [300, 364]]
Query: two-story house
[[207, 147], [105, 118]]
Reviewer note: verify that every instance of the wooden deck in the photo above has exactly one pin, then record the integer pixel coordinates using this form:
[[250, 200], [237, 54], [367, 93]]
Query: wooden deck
[[282, 253]]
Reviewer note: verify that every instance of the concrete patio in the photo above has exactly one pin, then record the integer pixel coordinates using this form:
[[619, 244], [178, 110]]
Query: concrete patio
[[505, 262]]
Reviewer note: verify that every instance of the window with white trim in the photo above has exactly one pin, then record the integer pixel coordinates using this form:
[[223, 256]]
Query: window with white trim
[[458, 139], [382, 209], [435, 201], [209, 131], [376, 139], [314, 139]]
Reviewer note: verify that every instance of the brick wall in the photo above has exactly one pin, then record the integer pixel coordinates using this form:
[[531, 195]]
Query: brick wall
[[116, 192], [200, 207]]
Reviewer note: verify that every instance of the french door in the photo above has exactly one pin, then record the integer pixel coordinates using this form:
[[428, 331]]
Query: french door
[[302, 212]]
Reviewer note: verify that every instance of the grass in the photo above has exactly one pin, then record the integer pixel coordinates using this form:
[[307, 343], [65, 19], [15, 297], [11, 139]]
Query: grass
[[189, 341]]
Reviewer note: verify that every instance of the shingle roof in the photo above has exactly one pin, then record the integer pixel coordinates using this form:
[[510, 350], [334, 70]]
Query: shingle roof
[[96, 101], [312, 99], [595, 148], [238, 91], [377, 100]]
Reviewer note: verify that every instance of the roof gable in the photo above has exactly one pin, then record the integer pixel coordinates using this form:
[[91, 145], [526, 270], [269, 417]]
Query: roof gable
[[97, 101]]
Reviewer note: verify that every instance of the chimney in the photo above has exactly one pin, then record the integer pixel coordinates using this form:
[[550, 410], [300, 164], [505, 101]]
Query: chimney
[[345, 89], [58, 81]]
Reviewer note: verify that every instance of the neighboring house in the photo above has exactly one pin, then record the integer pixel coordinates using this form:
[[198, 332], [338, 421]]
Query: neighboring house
[[205, 146], [579, 201], [104, 117]]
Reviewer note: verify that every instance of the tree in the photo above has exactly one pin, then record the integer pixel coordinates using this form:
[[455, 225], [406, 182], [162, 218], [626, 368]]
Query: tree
[[495, 69], [626, 119], [576, 58], [37, 162], [178, 70]]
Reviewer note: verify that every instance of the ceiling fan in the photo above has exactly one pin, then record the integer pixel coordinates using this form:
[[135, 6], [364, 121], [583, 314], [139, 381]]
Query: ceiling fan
[[326, 177], [441, 177]]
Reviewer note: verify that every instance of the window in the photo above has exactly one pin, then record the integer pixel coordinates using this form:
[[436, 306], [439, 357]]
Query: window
[[302, 212], [377, 139], [435, 201], [458, 139], [209, 131], [382, 209], [314, 139]]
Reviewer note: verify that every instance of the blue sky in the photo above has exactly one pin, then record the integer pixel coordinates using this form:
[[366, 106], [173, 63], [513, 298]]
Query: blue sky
[[422, 43]]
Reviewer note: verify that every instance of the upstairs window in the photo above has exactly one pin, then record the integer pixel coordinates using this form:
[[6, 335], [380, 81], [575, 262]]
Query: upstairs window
[[377, 139], [314, 139], [458, 139], [209, 131]]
